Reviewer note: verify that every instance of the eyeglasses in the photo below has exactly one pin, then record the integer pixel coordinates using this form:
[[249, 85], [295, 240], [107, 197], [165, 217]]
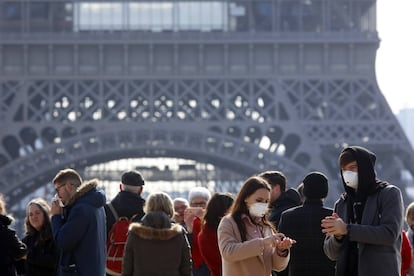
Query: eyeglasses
[[198, 204], [59, 186]]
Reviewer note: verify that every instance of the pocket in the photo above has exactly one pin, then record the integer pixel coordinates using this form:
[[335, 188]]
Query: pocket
[[70, 270]]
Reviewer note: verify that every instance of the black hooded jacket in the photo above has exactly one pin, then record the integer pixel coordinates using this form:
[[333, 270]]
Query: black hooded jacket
[[374, 220], [367, 180]]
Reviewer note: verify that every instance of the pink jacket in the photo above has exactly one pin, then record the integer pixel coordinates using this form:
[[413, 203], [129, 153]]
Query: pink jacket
[[250, 257]]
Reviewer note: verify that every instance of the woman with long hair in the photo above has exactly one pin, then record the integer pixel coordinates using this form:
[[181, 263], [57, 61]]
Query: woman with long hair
[[217, 207], [42, 254], [248, 242], [11, 248]]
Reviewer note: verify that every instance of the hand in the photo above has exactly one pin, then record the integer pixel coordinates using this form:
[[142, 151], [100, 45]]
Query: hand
[[189, 214], [196, 211], [279, 241], [55, 208], [178, 218], [334, 226], [284, 243]]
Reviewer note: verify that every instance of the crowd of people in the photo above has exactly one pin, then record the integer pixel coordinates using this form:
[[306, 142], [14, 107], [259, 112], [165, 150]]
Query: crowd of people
[[265, 229]]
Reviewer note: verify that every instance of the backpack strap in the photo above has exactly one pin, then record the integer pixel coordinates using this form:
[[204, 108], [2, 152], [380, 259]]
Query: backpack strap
[[114, 213]]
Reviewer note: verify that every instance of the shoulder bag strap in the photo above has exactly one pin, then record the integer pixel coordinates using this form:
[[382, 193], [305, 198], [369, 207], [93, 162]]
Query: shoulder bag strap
[[114, 213]]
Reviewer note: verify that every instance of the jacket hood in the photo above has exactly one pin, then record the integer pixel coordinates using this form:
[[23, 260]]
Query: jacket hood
[[367, 181], [88, 193], [156, 226]]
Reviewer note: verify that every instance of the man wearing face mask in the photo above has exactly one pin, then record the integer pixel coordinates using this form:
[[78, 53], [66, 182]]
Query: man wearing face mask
[[363, 235]]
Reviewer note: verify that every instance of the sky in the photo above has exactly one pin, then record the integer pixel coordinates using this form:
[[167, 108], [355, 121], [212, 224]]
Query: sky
[[395, 56]]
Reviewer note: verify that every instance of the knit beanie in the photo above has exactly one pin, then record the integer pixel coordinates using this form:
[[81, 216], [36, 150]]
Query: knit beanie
[[315, 185]]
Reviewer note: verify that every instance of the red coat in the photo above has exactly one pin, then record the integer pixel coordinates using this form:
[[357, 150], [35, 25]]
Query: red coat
[[208, 244], [195, 250], [406, 254]]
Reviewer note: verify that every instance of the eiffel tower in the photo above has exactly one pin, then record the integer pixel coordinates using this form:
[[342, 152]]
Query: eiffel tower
[[245, 85]]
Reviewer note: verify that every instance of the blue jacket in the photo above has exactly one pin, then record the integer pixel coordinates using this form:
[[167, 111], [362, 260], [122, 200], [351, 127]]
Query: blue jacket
[[80, 234]]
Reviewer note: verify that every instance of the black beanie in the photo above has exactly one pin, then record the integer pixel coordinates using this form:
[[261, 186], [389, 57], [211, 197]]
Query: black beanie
[[315, 185]]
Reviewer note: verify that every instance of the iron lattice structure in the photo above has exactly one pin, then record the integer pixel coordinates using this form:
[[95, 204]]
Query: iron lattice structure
[[273, 84]]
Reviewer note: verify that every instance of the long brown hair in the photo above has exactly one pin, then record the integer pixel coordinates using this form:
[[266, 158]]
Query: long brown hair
[[250, 186], [216, 208], [45, 232]]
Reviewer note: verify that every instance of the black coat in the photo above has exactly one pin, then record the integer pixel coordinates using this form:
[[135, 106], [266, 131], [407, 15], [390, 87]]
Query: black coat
[[11, 248], [42, 256], [126, 204], [303, 224], [286, 200]]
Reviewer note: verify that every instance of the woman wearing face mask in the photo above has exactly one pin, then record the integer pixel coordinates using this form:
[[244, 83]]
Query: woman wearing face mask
[[248, 243]]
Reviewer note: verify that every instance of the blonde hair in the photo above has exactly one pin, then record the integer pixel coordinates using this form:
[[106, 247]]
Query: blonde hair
[[159, 201], [409, 212], [2, 206]]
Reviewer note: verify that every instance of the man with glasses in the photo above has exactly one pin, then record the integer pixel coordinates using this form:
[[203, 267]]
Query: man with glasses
[[79, 227], [180, 205]]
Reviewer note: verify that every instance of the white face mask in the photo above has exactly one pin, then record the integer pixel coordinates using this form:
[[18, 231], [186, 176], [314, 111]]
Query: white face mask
[[258, 209], [351, 179]]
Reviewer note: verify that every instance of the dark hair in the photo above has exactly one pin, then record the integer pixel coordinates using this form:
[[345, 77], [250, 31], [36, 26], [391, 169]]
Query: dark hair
[[45, 232], [345, 158], [250, 186], [275, 178], [216, 208]]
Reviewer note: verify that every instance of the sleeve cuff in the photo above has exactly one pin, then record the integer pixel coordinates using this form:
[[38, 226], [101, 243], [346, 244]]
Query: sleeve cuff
[[283, 253]]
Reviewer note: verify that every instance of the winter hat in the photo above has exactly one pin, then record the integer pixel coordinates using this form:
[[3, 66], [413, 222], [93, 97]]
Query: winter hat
[[315, 185], [132, 178]]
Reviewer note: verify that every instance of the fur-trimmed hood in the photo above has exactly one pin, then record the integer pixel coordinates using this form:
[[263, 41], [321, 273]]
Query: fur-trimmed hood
[[150, 233], [87, 192], [156, 225]]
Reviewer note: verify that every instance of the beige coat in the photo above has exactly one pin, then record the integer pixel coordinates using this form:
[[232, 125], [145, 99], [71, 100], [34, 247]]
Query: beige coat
[[246, 258]]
